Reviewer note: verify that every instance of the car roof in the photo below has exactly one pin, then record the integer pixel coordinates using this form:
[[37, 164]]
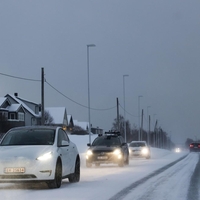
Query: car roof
[[138, 142], [35, 127]]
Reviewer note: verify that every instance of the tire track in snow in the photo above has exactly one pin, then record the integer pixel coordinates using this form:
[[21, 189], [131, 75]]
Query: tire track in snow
[[193, 189], [124, 192]]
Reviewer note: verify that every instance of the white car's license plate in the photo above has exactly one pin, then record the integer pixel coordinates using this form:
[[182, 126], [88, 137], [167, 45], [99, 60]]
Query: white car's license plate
[[14, 170], [102, 157]]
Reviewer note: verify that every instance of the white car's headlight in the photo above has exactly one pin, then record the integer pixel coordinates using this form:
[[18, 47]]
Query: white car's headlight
[[45, 156], [145, 151], [117, 151]]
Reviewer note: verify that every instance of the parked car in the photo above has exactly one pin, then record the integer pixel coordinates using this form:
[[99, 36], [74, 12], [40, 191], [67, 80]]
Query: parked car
[[38, 153], [139, 149], [195, 147], [106, 149]]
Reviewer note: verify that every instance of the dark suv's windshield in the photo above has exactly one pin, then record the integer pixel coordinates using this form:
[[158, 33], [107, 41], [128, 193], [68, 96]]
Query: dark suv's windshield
[[106, 141], [29, 137]]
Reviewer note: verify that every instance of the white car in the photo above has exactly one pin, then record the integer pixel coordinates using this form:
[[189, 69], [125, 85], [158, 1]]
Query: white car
[[38, 153], [139, 149]]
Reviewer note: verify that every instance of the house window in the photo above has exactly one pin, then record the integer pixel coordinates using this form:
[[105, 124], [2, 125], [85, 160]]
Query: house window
[[3, 115], [21, 116], [12, 116]]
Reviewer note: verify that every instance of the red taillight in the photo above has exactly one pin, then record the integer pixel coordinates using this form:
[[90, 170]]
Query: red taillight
[[191, 145], [198, 145]]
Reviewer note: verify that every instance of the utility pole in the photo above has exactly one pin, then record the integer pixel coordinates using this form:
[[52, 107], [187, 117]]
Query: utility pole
[[42, 97], [118, 128]]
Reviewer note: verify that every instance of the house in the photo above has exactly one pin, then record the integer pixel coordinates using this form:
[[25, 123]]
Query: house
[[32, 115], [16, 111], [85, 127], [11, 114], [59, 116], [70, 123]]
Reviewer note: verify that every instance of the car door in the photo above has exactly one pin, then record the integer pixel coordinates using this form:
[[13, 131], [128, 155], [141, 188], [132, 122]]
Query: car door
[[64, 150]]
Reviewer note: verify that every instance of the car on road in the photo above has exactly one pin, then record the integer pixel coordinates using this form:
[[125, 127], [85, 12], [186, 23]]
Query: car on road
[[38, 153], [195, 147], [108, 148], [139, 149]]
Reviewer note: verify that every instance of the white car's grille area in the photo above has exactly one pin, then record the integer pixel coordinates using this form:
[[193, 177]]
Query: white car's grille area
[[18, 176]]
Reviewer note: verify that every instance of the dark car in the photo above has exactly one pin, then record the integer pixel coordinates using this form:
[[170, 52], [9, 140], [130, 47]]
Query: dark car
[[195, 147], [106, 149]]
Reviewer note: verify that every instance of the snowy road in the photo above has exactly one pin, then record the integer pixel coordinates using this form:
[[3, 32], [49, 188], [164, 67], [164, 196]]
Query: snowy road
[[172, 184], [104, 182]]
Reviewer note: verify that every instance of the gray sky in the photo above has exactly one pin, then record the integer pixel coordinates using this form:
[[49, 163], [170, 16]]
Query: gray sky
[[155, 42]]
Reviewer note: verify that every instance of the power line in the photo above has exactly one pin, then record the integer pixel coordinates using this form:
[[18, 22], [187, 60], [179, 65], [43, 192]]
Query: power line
[[99, 109], [28, 79], [17, 77], [128, 112]]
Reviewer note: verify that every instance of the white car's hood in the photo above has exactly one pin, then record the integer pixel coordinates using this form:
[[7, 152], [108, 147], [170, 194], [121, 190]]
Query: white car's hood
[[30, 152]]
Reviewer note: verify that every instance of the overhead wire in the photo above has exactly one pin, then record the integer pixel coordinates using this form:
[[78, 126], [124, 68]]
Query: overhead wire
[[17, 77], [28, 79], [99, 109]]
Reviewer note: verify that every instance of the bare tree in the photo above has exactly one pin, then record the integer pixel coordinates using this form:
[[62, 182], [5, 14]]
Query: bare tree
[[48, 119]]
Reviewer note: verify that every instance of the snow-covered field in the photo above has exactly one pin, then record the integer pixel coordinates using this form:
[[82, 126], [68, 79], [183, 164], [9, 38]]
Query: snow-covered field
[[104, 182]]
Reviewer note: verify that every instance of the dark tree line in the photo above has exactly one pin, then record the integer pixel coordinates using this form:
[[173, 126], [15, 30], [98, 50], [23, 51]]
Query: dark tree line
[[156, 138]]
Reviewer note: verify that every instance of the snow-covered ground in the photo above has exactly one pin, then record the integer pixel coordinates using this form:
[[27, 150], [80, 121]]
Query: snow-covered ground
[[104, 182]]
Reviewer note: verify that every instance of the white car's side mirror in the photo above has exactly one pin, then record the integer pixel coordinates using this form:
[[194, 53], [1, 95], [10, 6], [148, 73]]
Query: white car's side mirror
[[64, 143]]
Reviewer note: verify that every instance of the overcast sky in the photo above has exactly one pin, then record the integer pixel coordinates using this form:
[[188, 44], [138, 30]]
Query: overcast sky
[[155, 42]]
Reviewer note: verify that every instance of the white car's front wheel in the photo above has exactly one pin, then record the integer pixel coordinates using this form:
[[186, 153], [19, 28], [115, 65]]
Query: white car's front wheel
[[56, 183], [75, 177]]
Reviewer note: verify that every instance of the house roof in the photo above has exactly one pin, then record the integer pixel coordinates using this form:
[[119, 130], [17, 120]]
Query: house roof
[[83, 125], [58, 114], [14, 107], [24, 105], [2, 100]]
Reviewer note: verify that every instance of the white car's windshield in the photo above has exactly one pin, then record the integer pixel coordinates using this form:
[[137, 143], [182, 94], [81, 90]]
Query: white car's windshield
[[29, 137], [137, 144]]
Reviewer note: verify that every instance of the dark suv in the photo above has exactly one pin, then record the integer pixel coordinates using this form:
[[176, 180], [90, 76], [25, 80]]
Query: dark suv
[[106, 149], [195, 147]]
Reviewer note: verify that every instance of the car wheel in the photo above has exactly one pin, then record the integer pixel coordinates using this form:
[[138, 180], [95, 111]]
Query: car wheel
[[56, 183], [75, 177], [88, 164]]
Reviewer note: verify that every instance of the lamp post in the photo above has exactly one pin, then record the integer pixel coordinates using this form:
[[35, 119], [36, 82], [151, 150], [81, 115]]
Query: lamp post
[[139, 116], [148, 124], [124, 107], [88, 46]]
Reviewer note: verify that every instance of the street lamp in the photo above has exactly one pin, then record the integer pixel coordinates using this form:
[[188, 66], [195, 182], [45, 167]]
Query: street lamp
[[124, 107], [148, 124], [88, 46], [139, 117]]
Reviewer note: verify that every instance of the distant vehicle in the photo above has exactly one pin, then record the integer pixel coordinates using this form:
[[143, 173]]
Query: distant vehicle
[[139, 149], [106, 149], [195, 147], [177, 149], [38, 153]]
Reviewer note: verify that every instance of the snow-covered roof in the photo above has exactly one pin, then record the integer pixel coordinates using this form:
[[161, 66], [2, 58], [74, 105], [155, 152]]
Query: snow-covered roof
[[24, 105], [57, 113], [14, 107], [69, 118], [83, 125], [2, 100]]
